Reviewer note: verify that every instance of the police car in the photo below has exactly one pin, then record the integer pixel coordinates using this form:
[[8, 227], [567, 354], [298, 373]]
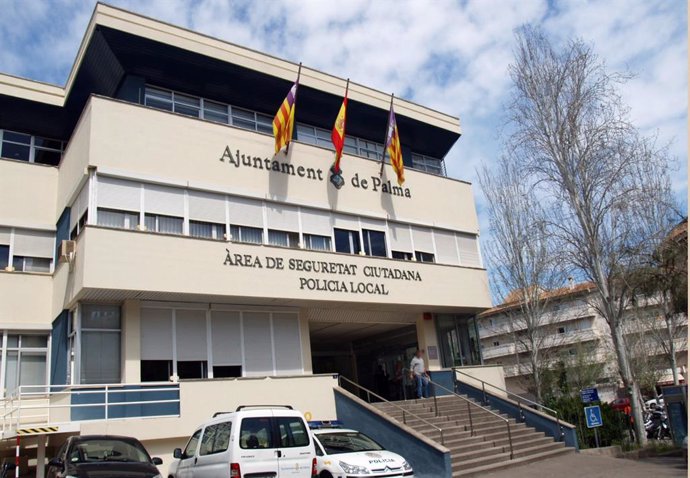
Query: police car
[[345, 453]]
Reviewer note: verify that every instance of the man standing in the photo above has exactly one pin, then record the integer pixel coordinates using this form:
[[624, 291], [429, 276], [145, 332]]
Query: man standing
[[419, 373]]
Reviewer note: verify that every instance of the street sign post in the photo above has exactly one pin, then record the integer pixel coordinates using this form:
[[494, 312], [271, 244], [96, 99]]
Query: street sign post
[[594, 420], [589, 395]]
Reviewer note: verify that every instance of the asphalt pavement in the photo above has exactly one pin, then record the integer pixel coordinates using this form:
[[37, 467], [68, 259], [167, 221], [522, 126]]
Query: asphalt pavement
[[592, 466]]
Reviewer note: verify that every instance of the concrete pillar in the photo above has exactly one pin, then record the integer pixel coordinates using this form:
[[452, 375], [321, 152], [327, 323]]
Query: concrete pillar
[[41, 457], [131, 341], [426, 338], [306, 342]]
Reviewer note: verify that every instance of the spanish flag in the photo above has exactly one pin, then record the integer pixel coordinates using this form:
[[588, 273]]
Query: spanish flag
[[284, 120], [393, 147], [338, 133]]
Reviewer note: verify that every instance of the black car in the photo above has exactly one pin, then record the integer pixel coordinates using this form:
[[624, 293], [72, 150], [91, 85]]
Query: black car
[[103, 456]]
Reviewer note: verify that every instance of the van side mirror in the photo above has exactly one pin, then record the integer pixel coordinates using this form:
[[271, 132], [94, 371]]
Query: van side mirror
[[56, 462], [156, 461], [177, 453]]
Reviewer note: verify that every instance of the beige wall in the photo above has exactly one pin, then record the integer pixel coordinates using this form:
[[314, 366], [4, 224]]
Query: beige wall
[[139, 142], [200, 399], [491, 374], [25, 300], [426, 337], [131, 341], [114, 259], [27, 194], [73, 168]]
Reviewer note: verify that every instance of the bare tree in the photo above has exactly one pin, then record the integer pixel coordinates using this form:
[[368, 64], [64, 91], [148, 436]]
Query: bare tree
[[599, 181], [523, 264]]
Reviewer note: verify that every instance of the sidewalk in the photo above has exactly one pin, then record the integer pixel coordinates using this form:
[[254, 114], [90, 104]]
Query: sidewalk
[[588, 466]]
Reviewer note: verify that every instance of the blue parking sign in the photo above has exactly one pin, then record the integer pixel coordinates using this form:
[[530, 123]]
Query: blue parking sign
[[593, 416]]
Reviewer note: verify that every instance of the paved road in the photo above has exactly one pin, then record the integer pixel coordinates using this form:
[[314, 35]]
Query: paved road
[[588, 466]]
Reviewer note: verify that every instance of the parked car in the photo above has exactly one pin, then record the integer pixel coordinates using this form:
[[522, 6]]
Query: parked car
[[103, 455], [260, 441], [345, 453], [656, 403], [621, 404]]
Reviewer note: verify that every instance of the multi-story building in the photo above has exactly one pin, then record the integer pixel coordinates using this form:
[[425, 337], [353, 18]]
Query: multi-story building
[[573, 335], [159, 261]]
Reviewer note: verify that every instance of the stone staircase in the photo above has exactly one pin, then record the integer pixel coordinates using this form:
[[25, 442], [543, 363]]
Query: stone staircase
[[482, 451]]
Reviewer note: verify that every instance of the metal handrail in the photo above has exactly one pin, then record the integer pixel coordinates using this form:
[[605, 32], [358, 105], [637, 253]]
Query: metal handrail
[[370, 393], [13, 406], [469, 413], [518, 397]]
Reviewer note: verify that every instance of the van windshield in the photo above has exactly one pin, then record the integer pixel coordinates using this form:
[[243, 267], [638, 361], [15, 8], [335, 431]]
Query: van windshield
[[347, 442]]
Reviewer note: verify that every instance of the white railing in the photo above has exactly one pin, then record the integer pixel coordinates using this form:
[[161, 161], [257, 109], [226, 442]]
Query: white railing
[[44, 404]]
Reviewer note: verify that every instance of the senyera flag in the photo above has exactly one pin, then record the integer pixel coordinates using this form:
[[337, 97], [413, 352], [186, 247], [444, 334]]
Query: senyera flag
[[393, 147], [338, 133], [284, 121]]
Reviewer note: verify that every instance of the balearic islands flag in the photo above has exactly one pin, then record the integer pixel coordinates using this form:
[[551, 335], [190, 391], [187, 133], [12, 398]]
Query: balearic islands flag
[[393, 147], [284, 120]]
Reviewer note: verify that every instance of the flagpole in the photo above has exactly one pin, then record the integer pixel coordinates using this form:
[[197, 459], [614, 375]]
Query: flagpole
[[388, 125], [294, 103]]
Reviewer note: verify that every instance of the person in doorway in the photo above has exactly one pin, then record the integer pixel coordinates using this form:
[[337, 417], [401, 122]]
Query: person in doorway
[[419, 374]]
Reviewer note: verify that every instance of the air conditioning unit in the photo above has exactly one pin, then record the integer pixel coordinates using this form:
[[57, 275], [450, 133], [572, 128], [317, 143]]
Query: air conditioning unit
[[67, 250]]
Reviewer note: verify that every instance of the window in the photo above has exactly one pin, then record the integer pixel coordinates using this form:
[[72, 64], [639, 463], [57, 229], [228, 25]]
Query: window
[[100, 344], [31, 264], [424, 256], [252, 235], [26, 361], [190, 449], [283, 238], [347, 241], [317, 243], [251, 120], [34, 149], [428, 164], [164, 224], [4, 256], [79, 226], [406, 256], [293, 433], [157, 98], [369, 149], [374, 243], [217, 112], [156, 370], [312, 135], [216, 438], [206, 229], [256, 433], [561, 330], [496, 343], [186, 105], [119, 219], [227, 371], [192, 368]]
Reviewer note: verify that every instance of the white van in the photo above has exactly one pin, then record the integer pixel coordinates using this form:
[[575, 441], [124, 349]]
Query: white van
[[263, 441]]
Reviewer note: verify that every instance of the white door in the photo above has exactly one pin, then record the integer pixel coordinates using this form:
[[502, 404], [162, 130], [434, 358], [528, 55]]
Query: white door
[[255, 448], [188, 460], [213, 460], [296, 450]]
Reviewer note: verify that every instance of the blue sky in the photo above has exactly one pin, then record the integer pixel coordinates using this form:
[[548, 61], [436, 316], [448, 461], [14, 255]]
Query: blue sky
[[451, 56]]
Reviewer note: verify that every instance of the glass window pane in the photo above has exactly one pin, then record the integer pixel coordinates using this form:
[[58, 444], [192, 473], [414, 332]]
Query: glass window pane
[[151, 222], [374, 243], [215, 112], [47, 143], [16, 137], [4, 256], [293, 433], [100, 317], [13, 341], [18, 263], [190, 449], [347, 241], [32, 369], [12, 372], [160, 99], [256, 433], [37, 264], [34, 341], [243, 124], [109, 218], [187, 105], [43, 156], [15, 151], [278, 238], [200, 229], [100, 357], [252, 235], [239, 113], [170, 225], [264, 123]]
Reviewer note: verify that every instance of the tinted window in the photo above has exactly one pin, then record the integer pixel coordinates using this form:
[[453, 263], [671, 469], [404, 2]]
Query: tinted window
[[292, 432], [107, 450], [216, 438], [256, 433], [191, 445], [374, 243], [346, 241]]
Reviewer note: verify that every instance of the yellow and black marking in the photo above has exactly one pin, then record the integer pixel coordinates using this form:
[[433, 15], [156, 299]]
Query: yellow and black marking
[[36, 430]]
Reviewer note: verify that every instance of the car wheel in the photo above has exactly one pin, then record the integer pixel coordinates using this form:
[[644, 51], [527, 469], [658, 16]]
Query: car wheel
[[325, 474]]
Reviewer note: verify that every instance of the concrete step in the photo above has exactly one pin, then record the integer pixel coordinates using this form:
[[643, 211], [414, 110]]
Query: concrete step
[[522, 441], [483, 469], [518, 452]]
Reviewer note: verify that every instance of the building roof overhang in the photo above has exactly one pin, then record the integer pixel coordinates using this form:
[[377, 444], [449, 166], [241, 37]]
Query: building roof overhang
[[118, 44]]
